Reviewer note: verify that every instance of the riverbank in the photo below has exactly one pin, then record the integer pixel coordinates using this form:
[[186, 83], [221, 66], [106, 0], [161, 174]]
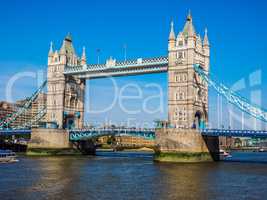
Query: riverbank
[[52, 152]]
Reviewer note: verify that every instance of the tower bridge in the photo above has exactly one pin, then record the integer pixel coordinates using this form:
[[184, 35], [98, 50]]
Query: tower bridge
[[187, 65]]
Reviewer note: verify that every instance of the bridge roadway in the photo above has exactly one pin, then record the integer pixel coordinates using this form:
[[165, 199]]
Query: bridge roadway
[[83, 134]]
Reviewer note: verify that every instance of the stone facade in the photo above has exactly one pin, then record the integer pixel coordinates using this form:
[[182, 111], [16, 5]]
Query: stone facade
[[65, 94], [45, 138], [188, 94]]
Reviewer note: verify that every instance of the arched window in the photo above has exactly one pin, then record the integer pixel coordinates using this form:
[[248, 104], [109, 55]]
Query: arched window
[[185, 77], [181, 95], [180, 55], [177, 96]]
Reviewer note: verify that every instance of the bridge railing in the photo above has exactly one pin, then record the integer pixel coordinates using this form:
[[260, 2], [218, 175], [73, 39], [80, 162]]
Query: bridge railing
[[119, 65]]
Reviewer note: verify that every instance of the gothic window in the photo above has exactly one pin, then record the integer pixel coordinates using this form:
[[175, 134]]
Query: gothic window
[[180, 55], [181, 95], [184, 114], [180, 115], [72, 102], [180, 43], [53, 116], [185, 77], [177, 96]]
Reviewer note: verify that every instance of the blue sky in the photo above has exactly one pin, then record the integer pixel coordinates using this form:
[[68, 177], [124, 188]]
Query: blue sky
[[237, 32]]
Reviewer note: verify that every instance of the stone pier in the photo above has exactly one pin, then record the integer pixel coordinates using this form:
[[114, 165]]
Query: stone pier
[[178, 145], [49, 141]]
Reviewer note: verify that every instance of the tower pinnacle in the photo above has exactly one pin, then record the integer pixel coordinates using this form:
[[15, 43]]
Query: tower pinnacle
[[189, 29], [51, 49], [206, 39], [172, 34], [83, 61], [189, 16]]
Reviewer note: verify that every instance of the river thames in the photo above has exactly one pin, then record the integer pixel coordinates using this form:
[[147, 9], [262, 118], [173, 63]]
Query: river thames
[[133, 176]]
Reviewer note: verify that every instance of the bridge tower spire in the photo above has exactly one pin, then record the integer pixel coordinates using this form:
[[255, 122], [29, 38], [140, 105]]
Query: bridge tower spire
[[206, 50], [83, 60], [50, 53], [171, 37]]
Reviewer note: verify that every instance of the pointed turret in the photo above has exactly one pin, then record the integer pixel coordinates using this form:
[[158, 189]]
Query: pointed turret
[[199, 43], [51, 49], [189, 29], [68, 37], [67, 52], [67, 47], [206, 50], [83, 59], [171, 37], [206, 39], [172, 34]]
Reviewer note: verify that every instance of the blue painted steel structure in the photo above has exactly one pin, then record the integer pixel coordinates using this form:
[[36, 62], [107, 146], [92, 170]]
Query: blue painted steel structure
[[232, 97], [76, 135], [234, 133], [9, 132]]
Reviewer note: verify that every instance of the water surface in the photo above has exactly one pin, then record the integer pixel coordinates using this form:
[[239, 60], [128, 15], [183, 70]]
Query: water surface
[[133, 176]]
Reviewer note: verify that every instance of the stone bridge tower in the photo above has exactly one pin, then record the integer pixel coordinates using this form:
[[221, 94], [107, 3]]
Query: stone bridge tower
[[188, 94], [65, 94]]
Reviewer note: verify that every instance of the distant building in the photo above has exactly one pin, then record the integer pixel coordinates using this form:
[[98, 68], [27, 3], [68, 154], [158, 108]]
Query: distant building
[[7, 109], [226, 142], [129, 141], [37, 106], [134, 141]]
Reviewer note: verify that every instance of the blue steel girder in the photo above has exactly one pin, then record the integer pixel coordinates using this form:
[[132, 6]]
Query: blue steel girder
[[9, 132], [234, 133], [76, 135], [232, 97]]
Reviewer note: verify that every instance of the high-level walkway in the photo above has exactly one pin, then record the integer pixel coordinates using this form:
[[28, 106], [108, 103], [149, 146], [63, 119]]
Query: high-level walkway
[[113, 68]]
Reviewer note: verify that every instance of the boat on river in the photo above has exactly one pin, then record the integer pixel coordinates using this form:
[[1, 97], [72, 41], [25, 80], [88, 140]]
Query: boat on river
[[7, 156], [224, 154]]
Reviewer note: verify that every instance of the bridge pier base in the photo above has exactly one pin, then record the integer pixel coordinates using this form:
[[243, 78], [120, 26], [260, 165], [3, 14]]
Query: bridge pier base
[[178, 145], [48, 141], [86, 147]]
